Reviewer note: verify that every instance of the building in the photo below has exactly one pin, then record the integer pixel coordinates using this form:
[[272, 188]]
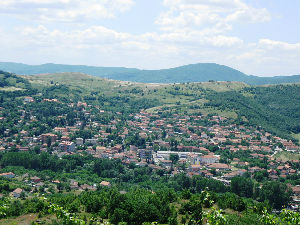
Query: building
[[45, 137], [145, 154], [28, 99], [105, 184], [7, 175], [67, 146], [165, 163], [79, 141], [219, 166], [16, 193], [208, 159], [92, 141], [35, 179], [181, 155]]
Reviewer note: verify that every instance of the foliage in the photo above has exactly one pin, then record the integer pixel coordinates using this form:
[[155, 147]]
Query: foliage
[[215, 217], [65, 217], [242, 186], [276, 193]]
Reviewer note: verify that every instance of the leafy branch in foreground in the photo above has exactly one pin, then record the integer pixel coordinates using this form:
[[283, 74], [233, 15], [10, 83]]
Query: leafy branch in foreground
[[286, 217], [3, 208], [215, 217]]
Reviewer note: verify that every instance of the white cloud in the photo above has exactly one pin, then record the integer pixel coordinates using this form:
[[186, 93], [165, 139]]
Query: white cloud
[[161, 50], [64, 10], [271, 45], [98, 45], [202, 13], [191, 31]]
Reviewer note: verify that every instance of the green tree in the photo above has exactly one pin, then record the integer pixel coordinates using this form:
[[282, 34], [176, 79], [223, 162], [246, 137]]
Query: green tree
[[242, 186], [276, 193], [174, 158]]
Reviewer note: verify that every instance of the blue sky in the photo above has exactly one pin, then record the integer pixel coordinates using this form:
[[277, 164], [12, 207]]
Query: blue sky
[[259, 37]]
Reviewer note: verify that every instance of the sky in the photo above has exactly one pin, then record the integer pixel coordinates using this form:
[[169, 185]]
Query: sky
[[257, 37]]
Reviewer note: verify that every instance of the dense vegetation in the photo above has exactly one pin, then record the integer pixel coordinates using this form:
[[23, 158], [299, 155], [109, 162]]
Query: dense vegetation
[[275, 108], [145, 196], [275, 193]]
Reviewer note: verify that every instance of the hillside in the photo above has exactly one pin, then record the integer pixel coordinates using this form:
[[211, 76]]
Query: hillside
[[11, 82], [12, 86], [201, 72], [276, 107]]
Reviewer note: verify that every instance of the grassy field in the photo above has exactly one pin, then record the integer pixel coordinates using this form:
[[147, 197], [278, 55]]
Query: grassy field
[[12, 88], [285, 156], [26, 219]]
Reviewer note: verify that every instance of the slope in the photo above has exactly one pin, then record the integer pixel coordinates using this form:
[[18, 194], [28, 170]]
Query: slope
[[276, 108]]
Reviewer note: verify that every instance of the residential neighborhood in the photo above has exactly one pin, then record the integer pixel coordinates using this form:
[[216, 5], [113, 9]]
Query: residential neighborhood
[[206, 145]]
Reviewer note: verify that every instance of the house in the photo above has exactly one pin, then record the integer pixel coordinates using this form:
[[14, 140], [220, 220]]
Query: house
[[45, 137], [74, 184], [35, 179], [233, 174], [195, 168], [87, 187], [145, 154], [28, 99], [296, 190], [92, 141], [219, 166], [208, 159], [65, 138], [79, 141], [105, 184], [7, 175], [61, 129], [206, 173], [16, 193], [67, 146]]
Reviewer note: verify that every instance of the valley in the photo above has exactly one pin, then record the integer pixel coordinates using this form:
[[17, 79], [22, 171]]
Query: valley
[[124, 152]]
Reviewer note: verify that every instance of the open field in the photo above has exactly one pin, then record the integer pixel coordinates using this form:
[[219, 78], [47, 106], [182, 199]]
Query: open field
[[25, 219], [12, 88], [285, 156]]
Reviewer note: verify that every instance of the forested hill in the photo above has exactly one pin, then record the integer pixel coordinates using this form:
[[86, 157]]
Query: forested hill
[[11, 82], [201, 72]]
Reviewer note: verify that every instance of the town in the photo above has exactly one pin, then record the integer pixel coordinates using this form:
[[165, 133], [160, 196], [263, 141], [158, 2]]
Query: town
[[207, 145]]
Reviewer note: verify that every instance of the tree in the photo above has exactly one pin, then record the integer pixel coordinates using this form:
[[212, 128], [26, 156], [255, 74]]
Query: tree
[[49, 141], [174, 158], [242, 186], [277, 193]]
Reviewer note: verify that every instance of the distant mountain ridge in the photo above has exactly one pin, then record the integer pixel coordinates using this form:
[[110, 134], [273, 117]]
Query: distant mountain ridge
[[201, 72]]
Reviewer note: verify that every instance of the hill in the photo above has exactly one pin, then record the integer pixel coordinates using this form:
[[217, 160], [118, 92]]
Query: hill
[[11, 82], [276, 107], [24, 69], [201, 72]]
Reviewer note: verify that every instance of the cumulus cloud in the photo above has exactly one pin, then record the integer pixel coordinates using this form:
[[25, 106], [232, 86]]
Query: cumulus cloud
[[161, 50], [199, 13], [65, 10], [271, 44], [191, 31]]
